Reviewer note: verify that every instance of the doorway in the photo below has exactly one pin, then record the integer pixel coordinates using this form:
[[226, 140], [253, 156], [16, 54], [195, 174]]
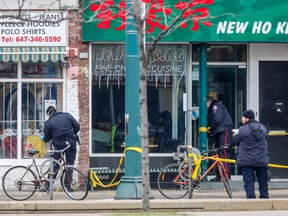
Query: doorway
[[273, 108]]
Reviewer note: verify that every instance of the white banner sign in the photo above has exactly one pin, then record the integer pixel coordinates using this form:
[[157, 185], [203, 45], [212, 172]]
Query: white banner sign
[[33, 29]]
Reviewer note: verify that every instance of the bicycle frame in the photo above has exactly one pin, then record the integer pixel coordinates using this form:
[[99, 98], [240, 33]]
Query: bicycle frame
[[184, 177], [198, 164]]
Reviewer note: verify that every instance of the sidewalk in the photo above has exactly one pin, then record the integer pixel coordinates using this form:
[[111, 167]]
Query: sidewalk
[[103, 201]]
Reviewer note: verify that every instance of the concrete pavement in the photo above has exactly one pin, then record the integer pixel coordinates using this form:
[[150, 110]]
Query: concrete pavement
[[103, 201]]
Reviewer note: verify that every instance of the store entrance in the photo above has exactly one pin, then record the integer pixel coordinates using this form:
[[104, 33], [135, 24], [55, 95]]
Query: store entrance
[[273, 104], [227, 83]]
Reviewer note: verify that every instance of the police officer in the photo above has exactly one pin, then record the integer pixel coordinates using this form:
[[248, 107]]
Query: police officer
[[61, 127], [221, 124], [252, 154]]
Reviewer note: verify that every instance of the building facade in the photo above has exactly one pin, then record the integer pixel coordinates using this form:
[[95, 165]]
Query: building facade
[[80, 68], [246, 58], [40, 66]]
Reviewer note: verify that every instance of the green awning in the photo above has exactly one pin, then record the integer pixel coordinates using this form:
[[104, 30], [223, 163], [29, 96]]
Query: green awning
[[34, 54]]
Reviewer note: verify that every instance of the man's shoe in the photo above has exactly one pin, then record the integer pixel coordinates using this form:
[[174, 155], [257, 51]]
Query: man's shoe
[[216, 179]]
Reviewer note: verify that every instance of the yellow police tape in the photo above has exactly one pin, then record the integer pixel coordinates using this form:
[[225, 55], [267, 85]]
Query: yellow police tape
[[234, 161], [96, 181], [204, 129]]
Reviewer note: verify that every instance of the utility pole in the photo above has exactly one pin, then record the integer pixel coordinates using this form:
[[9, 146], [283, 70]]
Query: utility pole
[[130, 186], [203, 100]]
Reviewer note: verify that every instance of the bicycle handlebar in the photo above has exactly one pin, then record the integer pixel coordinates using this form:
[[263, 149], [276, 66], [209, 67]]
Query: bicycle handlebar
[[189, 147], [62, 150], [214, 150]]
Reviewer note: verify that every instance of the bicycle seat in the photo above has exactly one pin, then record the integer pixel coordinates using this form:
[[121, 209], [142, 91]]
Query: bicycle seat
[[32, 152]]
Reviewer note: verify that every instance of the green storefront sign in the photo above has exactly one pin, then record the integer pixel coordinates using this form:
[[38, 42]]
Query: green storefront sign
[[204, 21]]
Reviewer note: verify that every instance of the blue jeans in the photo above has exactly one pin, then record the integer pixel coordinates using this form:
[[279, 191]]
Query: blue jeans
[[249, 181]]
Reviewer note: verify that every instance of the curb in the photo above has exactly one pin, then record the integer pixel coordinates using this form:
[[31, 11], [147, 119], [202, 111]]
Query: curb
[[136, 205]]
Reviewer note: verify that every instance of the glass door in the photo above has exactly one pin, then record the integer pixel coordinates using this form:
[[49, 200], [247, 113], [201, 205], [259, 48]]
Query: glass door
[[226, 84]]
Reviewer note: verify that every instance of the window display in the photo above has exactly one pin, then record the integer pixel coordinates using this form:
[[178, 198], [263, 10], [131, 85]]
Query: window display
[[23, 110], [166, 73]]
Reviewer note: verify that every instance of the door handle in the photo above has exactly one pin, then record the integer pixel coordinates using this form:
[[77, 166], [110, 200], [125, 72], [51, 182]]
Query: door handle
[[278, 133]]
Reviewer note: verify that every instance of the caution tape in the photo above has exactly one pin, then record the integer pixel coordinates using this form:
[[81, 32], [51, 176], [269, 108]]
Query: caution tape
[[97, 182], [204, 129], [224, 160]]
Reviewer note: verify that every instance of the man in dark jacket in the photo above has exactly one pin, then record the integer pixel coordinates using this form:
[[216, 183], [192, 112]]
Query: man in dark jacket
[[252, 154], [118, 135], [163, 136], [61, 127], [220, 123]]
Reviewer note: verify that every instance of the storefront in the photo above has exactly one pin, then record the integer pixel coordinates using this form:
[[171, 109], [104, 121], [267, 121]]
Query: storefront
[[244, 54], [33, 75]]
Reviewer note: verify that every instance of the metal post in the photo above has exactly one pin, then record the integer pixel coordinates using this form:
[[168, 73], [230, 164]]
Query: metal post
[[130, 186], [203, 100], [51, 171], [190, 177]]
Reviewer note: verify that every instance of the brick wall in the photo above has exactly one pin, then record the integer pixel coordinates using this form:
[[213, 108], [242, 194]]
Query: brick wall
[[78, 89]]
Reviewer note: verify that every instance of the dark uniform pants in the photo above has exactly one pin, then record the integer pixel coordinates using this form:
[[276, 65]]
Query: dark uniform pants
[[221, 139], [249, 181], [70, 153]]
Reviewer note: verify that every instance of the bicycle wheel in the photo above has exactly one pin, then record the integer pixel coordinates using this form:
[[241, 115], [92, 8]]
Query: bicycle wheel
[[74, 183], [170, 184], [19, 183], [225, 179], [45, 167]]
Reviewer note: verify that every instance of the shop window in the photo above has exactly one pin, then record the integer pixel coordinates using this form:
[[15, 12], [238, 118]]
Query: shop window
[[8, 69], [222, 53], [23, 110], [165, 88], [36, 97], [108, 105], [8, 115], [41, 70]]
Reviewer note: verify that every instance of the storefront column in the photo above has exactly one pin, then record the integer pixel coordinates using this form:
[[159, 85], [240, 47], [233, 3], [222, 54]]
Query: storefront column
[[130, 186], [203, 101]]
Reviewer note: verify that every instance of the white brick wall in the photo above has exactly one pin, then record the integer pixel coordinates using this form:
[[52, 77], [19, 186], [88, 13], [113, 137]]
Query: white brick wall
[[72, 98]]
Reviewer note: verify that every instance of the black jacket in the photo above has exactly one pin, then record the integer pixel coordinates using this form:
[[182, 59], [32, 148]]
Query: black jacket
[[119, 138], [218, 118], [252, 145], [163, 136], [59, 127]]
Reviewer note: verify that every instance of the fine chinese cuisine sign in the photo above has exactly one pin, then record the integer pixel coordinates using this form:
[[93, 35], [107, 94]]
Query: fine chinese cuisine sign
[[33, 29]]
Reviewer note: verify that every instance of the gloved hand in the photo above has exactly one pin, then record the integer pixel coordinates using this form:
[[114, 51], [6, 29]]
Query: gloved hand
[[42, 137], [195, 114], [235, 131]]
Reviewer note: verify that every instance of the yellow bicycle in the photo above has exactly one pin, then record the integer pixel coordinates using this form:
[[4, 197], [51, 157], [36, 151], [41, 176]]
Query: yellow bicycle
[[176, 180]]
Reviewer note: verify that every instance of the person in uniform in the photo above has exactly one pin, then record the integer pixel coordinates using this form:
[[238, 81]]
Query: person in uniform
[[220, 126], [252, 154]]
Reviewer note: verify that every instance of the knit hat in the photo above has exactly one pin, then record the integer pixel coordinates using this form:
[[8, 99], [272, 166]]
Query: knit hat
[[249, 114], [165, 115], [50, 110]]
